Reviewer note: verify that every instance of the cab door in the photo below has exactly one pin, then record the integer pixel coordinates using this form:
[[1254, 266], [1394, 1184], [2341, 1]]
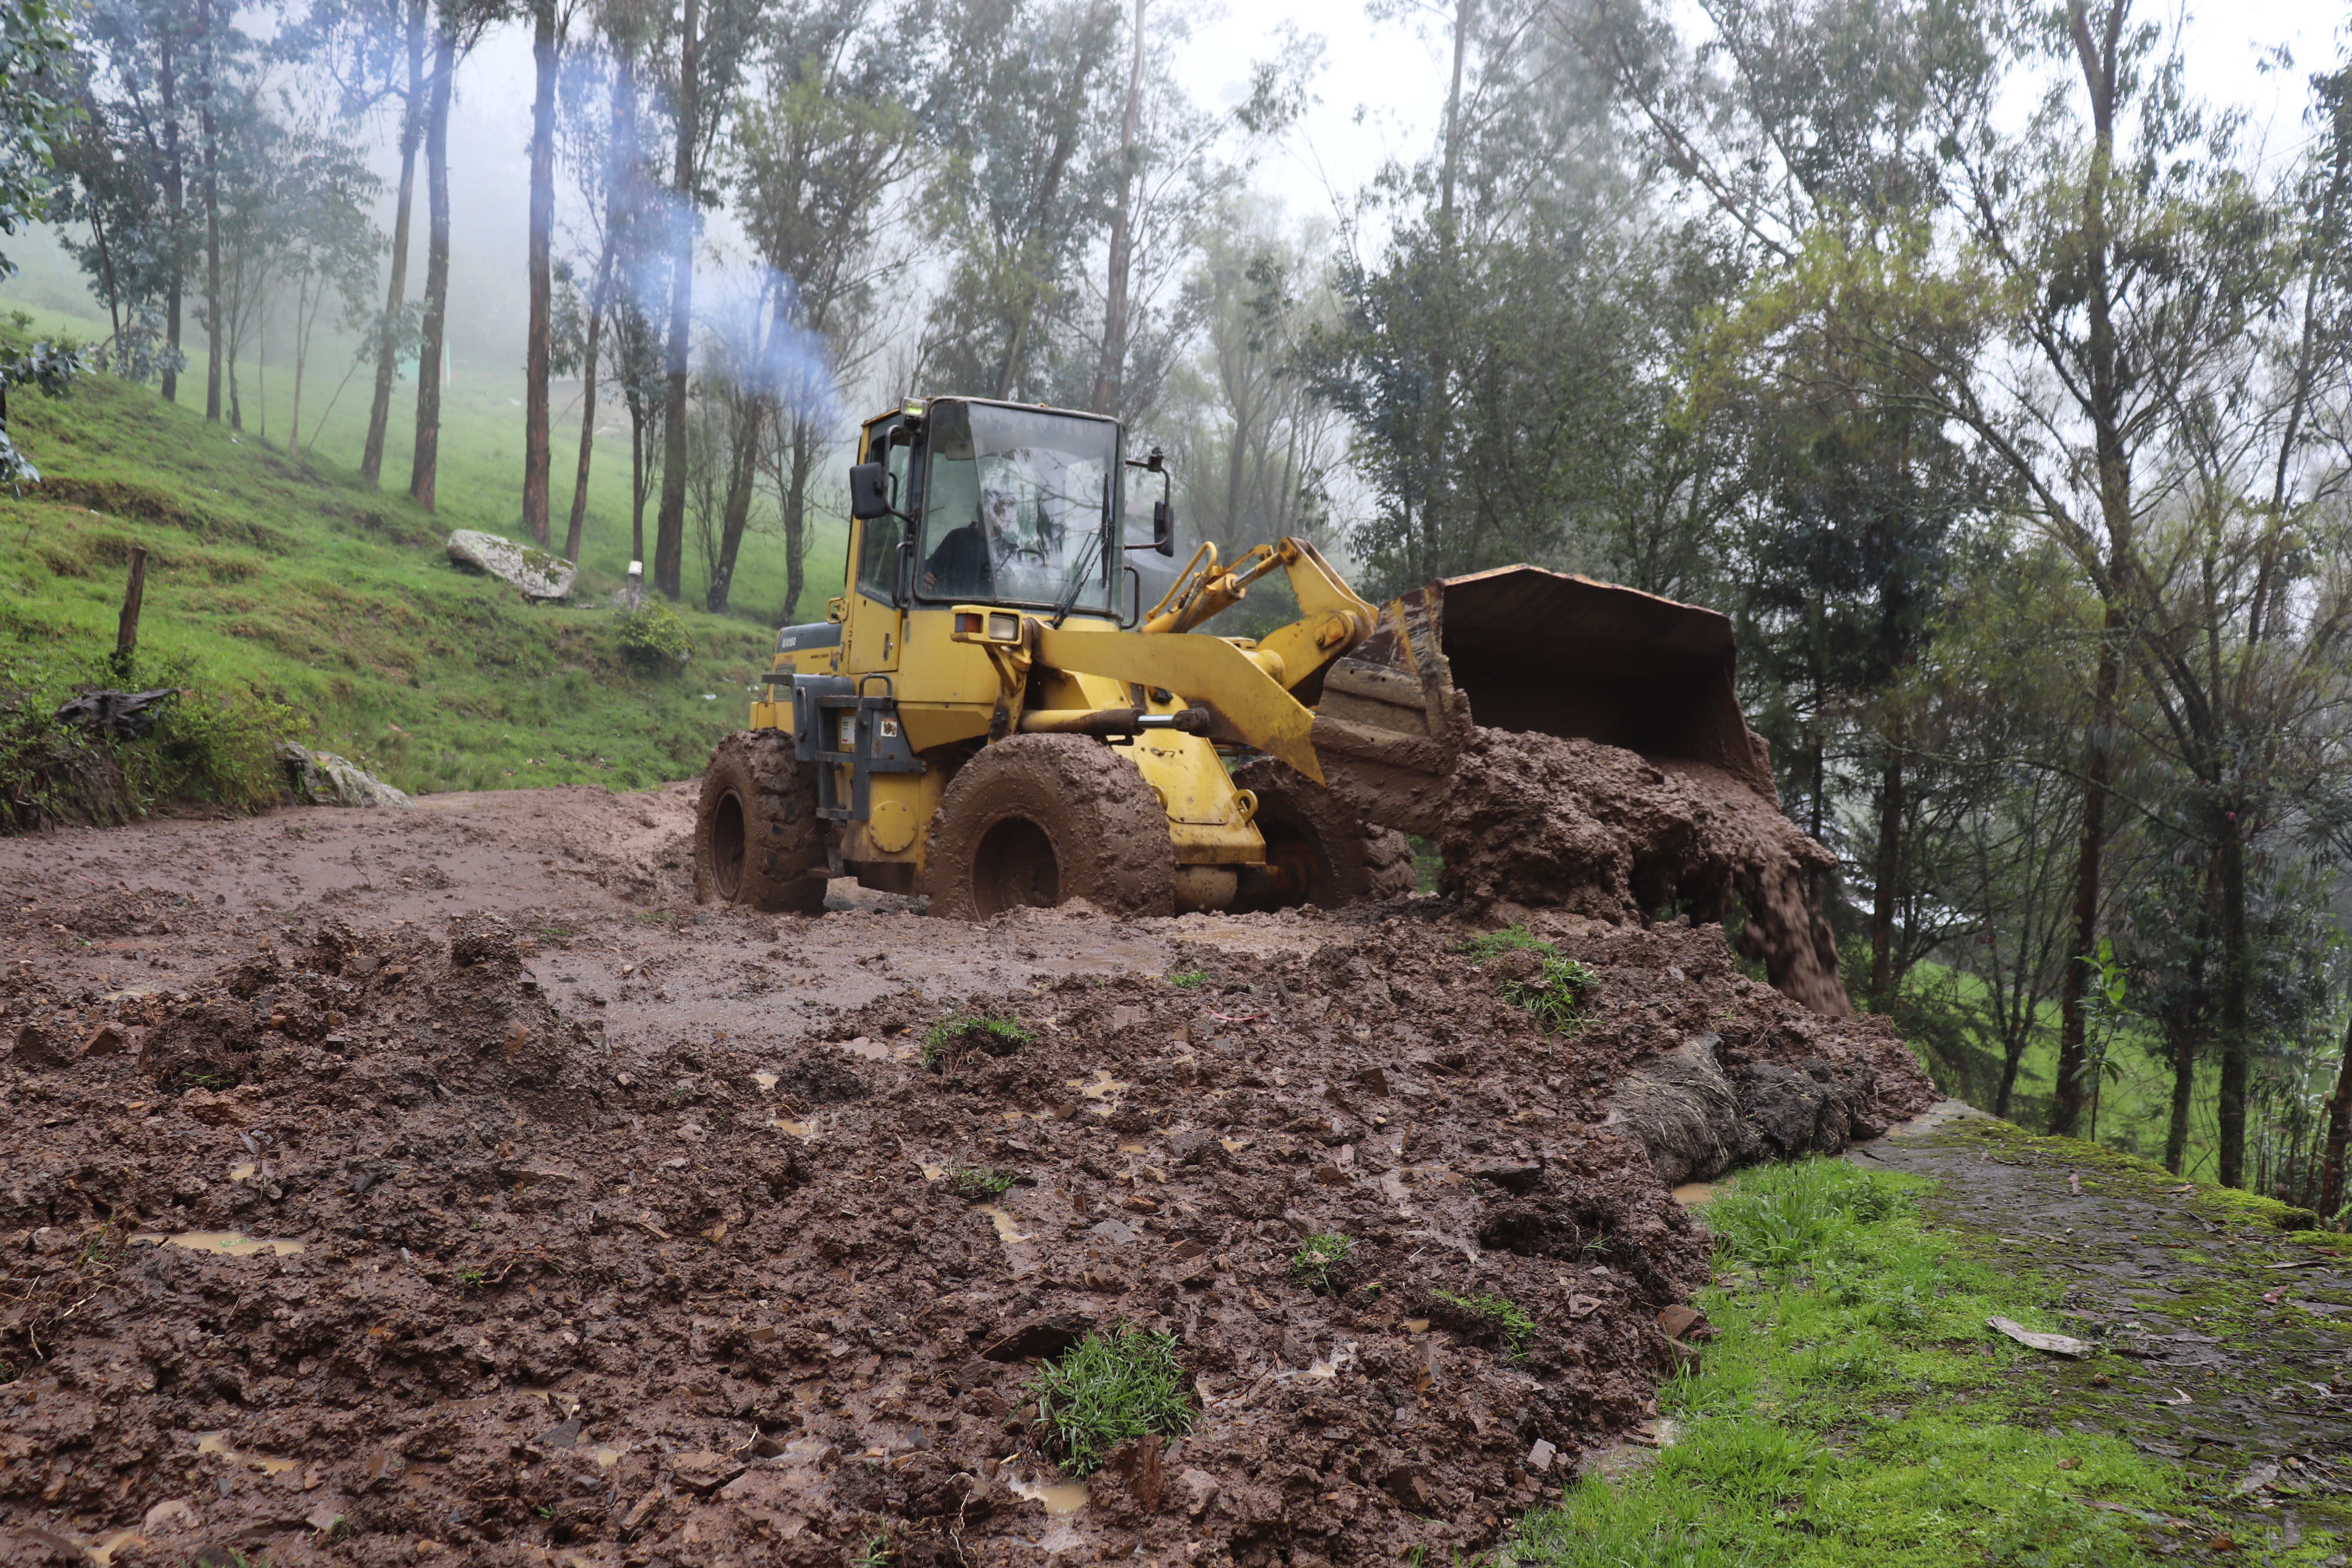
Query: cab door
[[877, 629]]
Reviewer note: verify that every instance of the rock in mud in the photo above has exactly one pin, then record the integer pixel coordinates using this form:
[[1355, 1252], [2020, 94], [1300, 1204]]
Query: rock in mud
[[1536, 822], [537, 574], [323, 778]]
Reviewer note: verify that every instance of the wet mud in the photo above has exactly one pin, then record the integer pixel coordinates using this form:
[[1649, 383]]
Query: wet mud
[[1537, 822], [607, 1230]]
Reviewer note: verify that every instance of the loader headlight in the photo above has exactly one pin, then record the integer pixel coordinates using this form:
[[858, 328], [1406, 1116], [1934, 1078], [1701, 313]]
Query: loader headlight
[[1004, 628]]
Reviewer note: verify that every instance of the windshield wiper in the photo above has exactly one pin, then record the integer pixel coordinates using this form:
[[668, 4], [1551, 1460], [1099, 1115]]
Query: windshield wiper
[[1085, 563]]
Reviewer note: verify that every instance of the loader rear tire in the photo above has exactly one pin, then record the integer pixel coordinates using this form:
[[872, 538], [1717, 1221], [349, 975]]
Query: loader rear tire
[[758, 839], [1037, 820], [1317, 850]]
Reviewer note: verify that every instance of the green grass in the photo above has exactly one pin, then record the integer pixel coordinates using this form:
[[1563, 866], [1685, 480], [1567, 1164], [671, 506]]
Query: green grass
[[1311, 1264], [977, 1183], [274, 582], [274, 585], [950, 1037], [1556, 994], [1189, 978], [1854, 1411], [1518, 1329], [1106, 1390]]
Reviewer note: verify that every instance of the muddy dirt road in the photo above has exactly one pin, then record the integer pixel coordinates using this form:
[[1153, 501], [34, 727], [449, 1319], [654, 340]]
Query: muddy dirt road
[[445, 1185]]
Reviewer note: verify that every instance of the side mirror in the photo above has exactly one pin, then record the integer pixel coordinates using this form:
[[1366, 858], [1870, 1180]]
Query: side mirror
[[869, 491], [1163, 527]]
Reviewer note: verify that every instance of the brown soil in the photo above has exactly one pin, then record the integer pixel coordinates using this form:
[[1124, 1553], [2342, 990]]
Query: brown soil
[[1539, 822], [579, 1282]]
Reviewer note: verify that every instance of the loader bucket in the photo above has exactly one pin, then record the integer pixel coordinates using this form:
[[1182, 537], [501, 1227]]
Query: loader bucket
[[1522, 648]]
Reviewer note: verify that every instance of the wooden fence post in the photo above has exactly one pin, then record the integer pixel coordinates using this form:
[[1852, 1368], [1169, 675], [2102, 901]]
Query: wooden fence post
[[134, 594]]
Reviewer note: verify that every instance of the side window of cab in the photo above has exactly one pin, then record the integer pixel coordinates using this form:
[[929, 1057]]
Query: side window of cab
[[877, 553]]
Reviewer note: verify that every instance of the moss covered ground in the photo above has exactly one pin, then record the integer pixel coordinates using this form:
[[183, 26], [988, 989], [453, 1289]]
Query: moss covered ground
[[1854, 1407]]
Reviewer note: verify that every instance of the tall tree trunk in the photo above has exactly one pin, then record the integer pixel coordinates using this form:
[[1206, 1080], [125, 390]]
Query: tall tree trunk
[[796, 515], [175, 203], [537, 456], [620, 157], [208, 127], [2097, 55], [741, 470], [387, 357], [2012, 1056], [2184, 1029], [2339, 1132], [1111, 371], [669, 526], [599, 302], [423, 467], [2072, 1087], [1887, 870], [2237, 981], [636, 482]]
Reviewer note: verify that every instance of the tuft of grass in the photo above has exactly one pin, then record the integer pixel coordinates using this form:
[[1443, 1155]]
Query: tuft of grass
[[876, 1552], [1188, 978], [1108, 1389], [977, 1183], [1785, 1218], [1510, 939], [949, 1037], [1559, 990], [1556, 996], [1311, 1264], [1519, 1328]]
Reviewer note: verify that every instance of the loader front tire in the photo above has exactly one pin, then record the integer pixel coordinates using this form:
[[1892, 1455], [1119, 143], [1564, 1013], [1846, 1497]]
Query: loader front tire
[[1317, 850], [1038, 820], [758, 840]]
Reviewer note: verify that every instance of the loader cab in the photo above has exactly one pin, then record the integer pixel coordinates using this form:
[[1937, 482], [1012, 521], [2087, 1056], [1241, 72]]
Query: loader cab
[[966, 501]]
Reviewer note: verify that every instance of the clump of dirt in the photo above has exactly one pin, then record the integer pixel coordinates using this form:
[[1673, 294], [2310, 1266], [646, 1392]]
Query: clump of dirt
[[1536, 821], [780, 1297]]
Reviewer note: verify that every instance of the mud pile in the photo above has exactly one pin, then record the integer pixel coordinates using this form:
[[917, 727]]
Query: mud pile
[[1536, 821], [434, 1269]]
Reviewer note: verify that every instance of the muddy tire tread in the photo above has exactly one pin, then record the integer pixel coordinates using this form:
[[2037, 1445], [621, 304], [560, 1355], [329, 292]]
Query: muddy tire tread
[[1368, 863], [1108, 831], [784, 839]]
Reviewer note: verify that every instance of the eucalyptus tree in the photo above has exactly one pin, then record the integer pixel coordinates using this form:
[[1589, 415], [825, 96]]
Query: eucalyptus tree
[[823, 160], [1021, 104]]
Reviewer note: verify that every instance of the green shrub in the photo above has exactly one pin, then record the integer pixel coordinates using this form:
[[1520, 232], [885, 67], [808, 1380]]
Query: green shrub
[[1188, 978], [1106, 1390], [214, 744], [653, 638]]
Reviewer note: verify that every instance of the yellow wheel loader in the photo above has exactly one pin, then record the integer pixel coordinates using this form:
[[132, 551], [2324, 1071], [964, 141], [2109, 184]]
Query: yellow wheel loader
[[992, 715]]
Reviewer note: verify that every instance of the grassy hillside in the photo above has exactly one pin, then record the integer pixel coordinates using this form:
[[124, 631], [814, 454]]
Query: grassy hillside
[[310, 603]]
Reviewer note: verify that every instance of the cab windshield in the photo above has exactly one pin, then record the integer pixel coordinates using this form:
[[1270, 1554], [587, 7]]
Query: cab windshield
[[1019, 508]]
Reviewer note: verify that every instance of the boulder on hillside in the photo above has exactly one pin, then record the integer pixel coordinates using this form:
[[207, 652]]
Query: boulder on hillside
[[539, 574], [323, 778]]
